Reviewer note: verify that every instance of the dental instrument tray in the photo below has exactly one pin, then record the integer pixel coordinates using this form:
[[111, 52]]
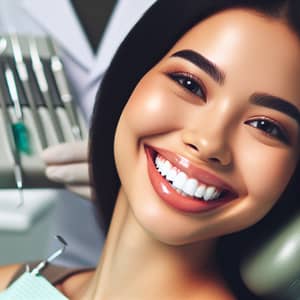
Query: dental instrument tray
[[37, 109]]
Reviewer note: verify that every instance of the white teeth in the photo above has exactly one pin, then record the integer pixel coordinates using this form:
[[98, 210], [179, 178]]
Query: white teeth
[[190, 186], [158, 160], [184, 185], [158, 163], [179, 180], [171, 174], [165, 168], [200, 191], [209, 193]]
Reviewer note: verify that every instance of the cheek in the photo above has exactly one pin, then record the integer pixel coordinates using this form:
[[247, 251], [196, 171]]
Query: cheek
[[152, 108], [148, 112], [266, 171]]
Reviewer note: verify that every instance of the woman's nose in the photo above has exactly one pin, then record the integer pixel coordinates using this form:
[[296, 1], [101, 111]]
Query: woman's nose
[[209, 143]]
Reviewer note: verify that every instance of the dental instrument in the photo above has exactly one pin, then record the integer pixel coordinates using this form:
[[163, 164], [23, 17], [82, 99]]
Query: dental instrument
[[64, 90], [24, 77], [39, 72]]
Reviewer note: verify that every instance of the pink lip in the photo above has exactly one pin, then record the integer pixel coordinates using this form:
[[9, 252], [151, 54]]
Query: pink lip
[[184, 203]]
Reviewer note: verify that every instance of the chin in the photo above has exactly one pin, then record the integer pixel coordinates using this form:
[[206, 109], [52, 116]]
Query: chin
[[166, 226]]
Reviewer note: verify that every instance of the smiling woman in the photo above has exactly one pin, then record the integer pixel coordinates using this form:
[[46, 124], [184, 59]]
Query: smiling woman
[[195, 136], [204, 128]]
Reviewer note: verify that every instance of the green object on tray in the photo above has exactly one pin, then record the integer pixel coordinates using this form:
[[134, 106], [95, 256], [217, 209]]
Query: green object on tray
[[21, 137]]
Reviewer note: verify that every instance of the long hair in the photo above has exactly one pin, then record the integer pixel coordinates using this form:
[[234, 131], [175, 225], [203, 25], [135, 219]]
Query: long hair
[[151, 38]]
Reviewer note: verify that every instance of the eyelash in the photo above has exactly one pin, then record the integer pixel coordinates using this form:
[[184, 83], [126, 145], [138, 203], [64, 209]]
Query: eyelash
[[268, 127], [190, 83]]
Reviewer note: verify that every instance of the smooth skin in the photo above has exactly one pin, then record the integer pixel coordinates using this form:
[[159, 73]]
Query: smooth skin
[[216, 132], [154, 251]]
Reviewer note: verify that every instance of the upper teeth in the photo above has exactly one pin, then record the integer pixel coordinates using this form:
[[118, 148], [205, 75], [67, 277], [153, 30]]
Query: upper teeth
[[183, 184]]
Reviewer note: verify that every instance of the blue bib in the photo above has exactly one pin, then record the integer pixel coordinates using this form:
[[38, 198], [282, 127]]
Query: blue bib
[[31, 287]]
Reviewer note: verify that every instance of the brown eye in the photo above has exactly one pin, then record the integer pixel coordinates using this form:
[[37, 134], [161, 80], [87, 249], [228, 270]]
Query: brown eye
[[189, 83], [270, 128]]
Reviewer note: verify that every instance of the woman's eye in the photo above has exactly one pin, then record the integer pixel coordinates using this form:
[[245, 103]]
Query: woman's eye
[[189, 83], [269, 128]]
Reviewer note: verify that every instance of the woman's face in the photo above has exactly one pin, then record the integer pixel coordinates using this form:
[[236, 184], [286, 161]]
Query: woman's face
[[210, 136]]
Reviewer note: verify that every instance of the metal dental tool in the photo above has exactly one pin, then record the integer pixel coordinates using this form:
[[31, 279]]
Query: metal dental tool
[[64, 90], [39, 72], [15, 153], [33, 285], [57, 253], [19, 128], [24, 77], [12, 88]]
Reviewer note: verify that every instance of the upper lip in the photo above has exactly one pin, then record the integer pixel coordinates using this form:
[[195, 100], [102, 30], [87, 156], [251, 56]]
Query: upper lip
[[192, 170]]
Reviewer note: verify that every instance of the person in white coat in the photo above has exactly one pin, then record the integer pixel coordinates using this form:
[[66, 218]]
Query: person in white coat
[[85, 67]]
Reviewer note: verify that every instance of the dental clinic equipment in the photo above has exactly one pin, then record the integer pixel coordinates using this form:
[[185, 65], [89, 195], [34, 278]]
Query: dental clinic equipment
[[57, 253], [13, 147], [19, 128], [39, 72], [64, 90], [39, 109], [32, 285], [24, 77]]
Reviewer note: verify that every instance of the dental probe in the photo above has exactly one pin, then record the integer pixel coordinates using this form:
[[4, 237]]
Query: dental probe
[[53, 256], [19, 128], [39, 72], [24, 77], [64, 90], [15, 154]]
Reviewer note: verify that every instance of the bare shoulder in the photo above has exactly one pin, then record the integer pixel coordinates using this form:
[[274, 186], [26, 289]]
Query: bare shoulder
[[6, 274]]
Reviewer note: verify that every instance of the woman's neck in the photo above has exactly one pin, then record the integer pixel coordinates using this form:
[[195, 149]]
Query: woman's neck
[[136, 266]]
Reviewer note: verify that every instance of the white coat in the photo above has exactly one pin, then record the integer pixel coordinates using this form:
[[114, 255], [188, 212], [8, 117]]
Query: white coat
[[74, 217]]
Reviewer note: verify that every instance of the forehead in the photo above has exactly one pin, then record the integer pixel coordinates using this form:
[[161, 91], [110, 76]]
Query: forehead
[[249, 45]]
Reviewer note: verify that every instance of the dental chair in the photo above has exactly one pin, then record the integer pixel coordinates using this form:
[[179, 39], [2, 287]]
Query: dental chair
[[271, 269]]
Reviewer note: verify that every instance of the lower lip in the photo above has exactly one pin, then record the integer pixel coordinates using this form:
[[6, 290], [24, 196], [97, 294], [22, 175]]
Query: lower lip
[[182, 203]]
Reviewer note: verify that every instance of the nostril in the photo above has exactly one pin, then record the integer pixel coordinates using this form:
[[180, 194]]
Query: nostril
[[192, 146], [213, 159]]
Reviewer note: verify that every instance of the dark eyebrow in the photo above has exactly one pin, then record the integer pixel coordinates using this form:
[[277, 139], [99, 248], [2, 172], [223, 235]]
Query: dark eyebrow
[[261, 99], [276, 103], [203, 63]]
